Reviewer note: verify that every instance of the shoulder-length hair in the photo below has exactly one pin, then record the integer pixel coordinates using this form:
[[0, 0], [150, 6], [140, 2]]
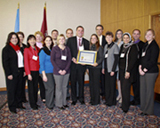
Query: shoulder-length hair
[[30, 37], [116, 39], [51, 41], [58, 38], [97, 43], [10, 36]]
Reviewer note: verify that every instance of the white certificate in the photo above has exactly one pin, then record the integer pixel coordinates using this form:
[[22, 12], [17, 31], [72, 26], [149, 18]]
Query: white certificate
[[87, 57]]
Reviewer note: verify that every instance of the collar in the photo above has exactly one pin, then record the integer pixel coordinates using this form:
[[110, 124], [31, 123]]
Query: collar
[[135, 42]]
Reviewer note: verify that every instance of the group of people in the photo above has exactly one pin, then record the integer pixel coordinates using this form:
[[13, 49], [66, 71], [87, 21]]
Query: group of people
[[51, 61]]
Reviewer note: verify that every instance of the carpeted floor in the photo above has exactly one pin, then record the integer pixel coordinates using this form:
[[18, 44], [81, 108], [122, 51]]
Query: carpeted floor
[[84, 116]]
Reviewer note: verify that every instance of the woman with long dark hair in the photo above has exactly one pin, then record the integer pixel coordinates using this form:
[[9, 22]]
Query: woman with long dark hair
[[12, 60], [46, 71], [22, 47], [95, 70], [119, 42], [31, 65]]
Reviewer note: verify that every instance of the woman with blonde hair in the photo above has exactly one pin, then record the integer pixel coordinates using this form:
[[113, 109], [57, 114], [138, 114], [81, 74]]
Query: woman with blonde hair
[[61, 60], [39, 43], [148, 70]]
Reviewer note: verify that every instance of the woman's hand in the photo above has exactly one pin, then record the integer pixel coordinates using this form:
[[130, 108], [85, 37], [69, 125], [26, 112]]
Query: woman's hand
[[45, 78], [60, 72], [10, 77], [145, 70], [103, 71], [29, 77], [140, 70], [112, 73], [127, 75], [74, 60], [63, 72], [24, 74], [94, 65]]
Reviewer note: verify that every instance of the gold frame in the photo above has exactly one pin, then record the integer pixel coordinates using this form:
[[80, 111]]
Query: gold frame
[[87, 51]]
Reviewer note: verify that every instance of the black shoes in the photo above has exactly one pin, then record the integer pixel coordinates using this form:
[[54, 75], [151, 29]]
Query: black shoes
[[134, 103], [82, 102], [143, 114], [61, 108], [21, 107], [25, 101], [35, 108], [13, 111], [68, 98], [73, 103], [65, 106], [125, 111]]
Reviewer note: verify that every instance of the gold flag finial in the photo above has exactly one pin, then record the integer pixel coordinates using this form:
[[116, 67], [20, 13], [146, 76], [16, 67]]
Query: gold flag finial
[[18, 5], [45, 5]]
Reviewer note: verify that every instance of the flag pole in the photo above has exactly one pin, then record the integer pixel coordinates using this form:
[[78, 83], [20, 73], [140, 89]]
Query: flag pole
[[18, 5]]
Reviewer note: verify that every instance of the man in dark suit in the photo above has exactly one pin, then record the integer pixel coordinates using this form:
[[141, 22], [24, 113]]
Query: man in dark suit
[[102, 41], [136, 33], [75, 44]]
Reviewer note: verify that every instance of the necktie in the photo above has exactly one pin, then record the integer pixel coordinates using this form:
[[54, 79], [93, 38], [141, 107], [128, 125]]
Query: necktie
[[79, 42]]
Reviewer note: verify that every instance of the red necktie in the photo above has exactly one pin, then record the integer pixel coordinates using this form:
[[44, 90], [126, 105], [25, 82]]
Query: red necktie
[[79, 42]]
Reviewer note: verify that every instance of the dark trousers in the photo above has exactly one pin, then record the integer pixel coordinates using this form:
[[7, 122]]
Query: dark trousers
[[41, 87], [94, 84], [33, 89], [102, 84], [110, 88], [23, 89], [77, 75], [136, 89], [125, 88], [14, 90]]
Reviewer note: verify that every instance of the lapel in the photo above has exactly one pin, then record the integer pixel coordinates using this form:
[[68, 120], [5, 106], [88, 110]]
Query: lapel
[[105, 48], [75, 40]]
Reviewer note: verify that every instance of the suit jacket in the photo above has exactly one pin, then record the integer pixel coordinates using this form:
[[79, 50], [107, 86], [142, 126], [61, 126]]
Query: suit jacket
[[10, 61], [104, 42], [72, 44]]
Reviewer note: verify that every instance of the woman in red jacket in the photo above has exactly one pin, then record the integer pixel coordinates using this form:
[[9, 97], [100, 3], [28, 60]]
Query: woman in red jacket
[[31, 65]]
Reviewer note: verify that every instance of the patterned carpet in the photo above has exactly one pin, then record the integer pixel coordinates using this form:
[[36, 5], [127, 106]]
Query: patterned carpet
[[82, 116], [3, 99]]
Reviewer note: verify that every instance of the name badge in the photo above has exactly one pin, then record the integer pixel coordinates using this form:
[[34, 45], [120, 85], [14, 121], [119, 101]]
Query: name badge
[[122, 55], [106, 55], [34, 57], [143, 54], [63, 57], [81, 48]]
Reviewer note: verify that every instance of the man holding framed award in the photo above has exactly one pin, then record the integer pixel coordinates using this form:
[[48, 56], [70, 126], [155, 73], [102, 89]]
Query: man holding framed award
[[75, 44]]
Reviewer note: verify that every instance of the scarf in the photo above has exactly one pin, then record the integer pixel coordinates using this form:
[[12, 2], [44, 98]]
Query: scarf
[[15, 47], [46, 50]]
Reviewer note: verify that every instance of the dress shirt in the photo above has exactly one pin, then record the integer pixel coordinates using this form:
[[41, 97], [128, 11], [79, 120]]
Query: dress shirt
[[39, 45], [20, 59], [100, 40]]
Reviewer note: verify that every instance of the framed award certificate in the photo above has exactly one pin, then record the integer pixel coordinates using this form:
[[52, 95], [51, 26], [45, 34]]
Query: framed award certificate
[[87, 57]]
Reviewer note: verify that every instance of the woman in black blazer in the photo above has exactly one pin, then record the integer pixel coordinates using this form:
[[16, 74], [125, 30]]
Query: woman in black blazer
[[148, 70], [22, 47], [95, 70], [127, 69], [12, 60]]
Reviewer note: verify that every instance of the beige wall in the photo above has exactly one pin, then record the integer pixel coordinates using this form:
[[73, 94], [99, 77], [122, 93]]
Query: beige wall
[[128, 14], [61, 14]]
